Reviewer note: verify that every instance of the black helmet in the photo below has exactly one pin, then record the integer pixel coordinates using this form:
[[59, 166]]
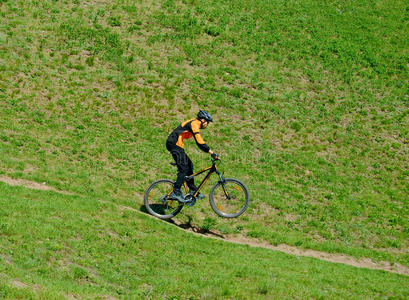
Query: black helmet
[[204, 115]]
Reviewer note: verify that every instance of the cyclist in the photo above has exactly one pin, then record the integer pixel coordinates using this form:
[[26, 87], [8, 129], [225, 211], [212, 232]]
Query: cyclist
[[175, 145]]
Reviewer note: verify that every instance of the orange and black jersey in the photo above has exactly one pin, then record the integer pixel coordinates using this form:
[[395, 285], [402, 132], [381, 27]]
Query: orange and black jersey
[[186, 130]]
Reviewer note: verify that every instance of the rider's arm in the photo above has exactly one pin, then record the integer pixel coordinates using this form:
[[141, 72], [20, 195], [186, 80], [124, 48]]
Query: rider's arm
[[198, 138]]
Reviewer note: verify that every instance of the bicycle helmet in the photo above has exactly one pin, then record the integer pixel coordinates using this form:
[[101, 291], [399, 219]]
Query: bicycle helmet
[[204, 115]]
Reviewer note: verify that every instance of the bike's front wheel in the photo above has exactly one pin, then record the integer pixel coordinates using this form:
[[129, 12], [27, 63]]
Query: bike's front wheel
[[230, 198], [157, 201]]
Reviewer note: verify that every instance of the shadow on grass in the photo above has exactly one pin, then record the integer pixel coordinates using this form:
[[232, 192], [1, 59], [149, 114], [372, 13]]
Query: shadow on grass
[[188, 226]]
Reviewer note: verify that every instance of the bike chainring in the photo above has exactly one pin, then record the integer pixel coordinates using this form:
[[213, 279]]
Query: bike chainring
[[191, 200]]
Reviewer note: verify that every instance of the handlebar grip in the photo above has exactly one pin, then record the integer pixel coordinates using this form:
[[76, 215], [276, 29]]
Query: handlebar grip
[[215, 155]]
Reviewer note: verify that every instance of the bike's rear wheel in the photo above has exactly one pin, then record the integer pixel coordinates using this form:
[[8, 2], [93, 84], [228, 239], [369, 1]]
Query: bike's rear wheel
[[230, 198], [157, 200]]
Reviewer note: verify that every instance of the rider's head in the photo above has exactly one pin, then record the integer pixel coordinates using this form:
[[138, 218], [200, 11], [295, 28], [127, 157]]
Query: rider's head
[[204, 117]]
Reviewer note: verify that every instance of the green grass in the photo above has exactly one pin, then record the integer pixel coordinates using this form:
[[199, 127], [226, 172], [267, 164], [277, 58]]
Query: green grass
[[57, 246], [310, 101]]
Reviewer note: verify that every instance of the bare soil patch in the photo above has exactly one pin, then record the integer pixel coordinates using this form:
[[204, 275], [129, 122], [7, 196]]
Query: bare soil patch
[[31, 184], [18, 284]]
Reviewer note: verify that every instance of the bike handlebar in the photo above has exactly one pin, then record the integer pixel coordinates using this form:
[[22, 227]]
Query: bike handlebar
[[215, 159]]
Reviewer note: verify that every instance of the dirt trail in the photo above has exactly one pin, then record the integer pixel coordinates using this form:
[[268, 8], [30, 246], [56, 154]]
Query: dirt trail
[[31, 185], [330, 257], [243, 240]]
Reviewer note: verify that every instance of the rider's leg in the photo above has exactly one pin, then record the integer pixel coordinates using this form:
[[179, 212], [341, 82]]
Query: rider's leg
[[183, 167], [181, 160], [190, 182]]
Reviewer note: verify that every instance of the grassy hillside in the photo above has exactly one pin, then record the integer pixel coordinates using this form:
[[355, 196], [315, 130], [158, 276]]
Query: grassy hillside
[[310, 101], [55, 246]]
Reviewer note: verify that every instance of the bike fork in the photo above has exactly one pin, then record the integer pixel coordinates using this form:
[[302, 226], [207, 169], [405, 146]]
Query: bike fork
[[222, 181]]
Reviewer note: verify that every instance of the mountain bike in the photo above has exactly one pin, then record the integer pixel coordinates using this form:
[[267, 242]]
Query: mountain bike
[[228, 198]]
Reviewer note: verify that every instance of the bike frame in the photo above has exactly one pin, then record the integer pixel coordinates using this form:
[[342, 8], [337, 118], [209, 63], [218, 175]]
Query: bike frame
[[212, 169]]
